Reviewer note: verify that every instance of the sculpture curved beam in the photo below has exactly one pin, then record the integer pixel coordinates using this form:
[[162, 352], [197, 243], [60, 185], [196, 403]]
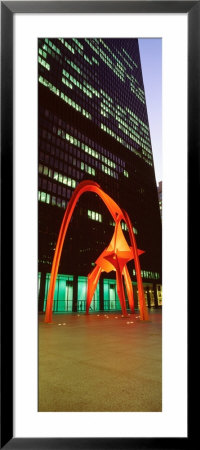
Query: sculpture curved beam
[[116, 212], [93, 279], [143, 309], [118, 215], [129, 288], [120, 288]]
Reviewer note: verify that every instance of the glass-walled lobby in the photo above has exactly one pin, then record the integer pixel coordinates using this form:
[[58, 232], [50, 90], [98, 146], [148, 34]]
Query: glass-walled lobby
[[66, 293]]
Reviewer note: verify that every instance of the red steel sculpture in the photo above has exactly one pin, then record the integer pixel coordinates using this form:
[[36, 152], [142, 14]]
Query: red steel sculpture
[[114, 257]]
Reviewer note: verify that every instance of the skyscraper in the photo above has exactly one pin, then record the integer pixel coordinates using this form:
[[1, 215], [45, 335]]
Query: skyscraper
[[93, 124], [159, 188]]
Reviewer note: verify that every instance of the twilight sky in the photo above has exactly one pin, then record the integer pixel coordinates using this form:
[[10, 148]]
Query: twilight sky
[[151, 60]]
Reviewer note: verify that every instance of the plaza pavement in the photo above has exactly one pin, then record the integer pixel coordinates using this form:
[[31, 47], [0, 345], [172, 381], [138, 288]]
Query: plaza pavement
[[100, 362]]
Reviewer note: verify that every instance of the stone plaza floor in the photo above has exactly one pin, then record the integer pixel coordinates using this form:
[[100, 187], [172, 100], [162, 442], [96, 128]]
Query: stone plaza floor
[[101, 362]]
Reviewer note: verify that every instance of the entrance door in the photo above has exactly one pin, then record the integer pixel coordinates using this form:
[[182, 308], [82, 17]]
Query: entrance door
[[112, 296], [68, 296]]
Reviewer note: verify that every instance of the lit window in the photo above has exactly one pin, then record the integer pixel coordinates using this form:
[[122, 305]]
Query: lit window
[[46, 170], [43, 196], [48, 198], [94, 216]]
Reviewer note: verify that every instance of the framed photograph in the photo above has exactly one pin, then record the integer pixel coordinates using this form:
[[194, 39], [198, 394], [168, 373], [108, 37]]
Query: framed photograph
[[94, 355]]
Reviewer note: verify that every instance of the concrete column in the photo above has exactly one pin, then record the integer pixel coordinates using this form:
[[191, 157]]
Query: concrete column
[[42, 292], [148, 298], [155, 295], [75, 293], [135, 295], [101, 294]]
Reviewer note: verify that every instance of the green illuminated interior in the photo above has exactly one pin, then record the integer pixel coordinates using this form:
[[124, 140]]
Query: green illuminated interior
[[64, 294]]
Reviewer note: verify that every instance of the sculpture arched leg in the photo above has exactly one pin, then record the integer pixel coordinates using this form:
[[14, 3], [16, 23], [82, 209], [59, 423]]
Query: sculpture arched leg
[[143, 310], [118, 215], [84, 186], [129, 288], [93, 279], [120, 290]]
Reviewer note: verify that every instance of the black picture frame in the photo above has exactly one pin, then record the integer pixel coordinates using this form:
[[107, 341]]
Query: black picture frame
[[8, 9]]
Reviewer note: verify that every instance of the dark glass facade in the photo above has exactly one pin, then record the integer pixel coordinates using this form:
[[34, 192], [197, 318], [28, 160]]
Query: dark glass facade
[[93, 124]]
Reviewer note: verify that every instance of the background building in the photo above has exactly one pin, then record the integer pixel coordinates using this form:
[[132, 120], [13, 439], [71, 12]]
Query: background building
[[93, 124], [160, 197]]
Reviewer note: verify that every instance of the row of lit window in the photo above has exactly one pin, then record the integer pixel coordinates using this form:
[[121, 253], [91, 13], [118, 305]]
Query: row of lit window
[[119, 139], [105, 59], [63, 179], [75, 82], [108, 171], [95, 60], [94, 215], [123, 226], [127, 62], [115, 57], [73, 65], [87, 168], [76, 142], [56, 176], [109, 131], [119, 69], [94, 91], [87, 59], [78, 43], [47, 198], [134, 135], [137, 118], [79, 48], [88, 90], [51, 87], [86, 114], [42, 53], [74, 105], [43, 63], [53, 46], [93, 153], [125, 144], [148, 274], [67, 83], [116, 69], [51, 52], [125, 131], [135, 84], [137, 94], [64, 97], [55, 188], [130, 58], [130, 129], [91, 88], [112, 111], [67, 45]]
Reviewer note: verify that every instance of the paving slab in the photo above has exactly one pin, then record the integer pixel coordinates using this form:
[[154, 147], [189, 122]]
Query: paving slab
[[101, 362]]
